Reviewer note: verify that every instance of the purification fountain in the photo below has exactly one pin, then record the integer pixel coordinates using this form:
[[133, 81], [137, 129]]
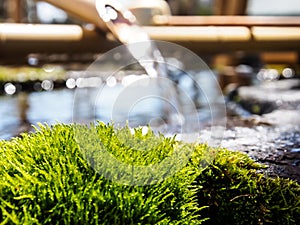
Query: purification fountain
[[153, 96], [144, 69], [67, 173], [179, 108]]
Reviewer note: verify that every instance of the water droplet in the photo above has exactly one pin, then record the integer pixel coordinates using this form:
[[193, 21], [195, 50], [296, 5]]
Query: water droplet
[[111, 81], [296, 163], [87, 82], [145, 130], [271, 74], [33, 61], [10, 89], [47, 85], [71, 83], [79, 82], [244, 69], [288, 73], [117, 56], [37, 86]]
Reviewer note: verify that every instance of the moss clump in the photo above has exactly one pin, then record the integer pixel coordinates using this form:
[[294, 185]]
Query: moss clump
[[237, 193], [47, 178]]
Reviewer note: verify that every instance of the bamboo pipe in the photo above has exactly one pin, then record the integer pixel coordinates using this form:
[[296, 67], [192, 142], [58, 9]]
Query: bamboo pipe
[[16, 44], [38, 32], [30, 32], [64, 33], [86, 10], [276, 33], [73, 39], [163, 20], [223, 33], [82, 9], [198, 34]]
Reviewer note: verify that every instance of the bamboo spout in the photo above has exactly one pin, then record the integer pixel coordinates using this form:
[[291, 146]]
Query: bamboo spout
[[86, 10], [82, 9]]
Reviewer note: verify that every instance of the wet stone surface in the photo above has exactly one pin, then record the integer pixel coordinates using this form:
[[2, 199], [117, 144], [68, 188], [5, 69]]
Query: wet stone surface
[[268, 96], [277, 147], [273, 137]]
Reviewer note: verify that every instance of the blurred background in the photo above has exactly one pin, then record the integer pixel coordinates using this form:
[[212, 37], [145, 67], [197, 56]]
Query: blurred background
[[42, 12], [38, 73]]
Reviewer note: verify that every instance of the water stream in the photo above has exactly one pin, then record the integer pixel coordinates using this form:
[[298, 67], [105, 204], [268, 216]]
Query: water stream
[[124, 26]]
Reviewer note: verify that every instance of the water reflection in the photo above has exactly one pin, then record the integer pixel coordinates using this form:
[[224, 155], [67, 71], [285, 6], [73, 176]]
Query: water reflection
[[19, 111]]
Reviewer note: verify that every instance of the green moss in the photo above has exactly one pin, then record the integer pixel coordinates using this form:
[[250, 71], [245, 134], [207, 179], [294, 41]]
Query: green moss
[[238, 194], [47, 178]]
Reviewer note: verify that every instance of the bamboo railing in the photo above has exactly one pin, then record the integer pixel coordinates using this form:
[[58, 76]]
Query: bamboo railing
[[201, 34]]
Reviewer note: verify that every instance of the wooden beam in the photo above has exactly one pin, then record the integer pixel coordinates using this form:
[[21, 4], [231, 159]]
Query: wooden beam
[[280, 57]]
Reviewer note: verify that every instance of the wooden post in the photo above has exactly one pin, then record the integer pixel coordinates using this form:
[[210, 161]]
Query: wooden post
[[236, 7], [230, 7], [15, 10], [219, 7]]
